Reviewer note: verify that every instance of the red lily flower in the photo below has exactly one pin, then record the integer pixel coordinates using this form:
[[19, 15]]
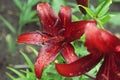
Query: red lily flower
[[56, 35], [101, 44], [84, 3]]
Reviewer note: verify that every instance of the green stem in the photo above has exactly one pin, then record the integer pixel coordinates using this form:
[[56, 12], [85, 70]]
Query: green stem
[[19, 30]]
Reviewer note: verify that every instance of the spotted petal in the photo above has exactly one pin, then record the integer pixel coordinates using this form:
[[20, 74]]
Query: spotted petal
[[109, 70], [76, 29], [46, 55], [65, 15], [48, 18], [80, 66], [99, 39], [69, 53], [33, 38]]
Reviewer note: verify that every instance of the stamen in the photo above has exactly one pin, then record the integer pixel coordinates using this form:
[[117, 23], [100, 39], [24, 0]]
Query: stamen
[[56, 22], [104, 76]]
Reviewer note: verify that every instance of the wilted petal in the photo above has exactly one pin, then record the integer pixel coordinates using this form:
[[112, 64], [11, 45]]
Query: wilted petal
[[109, 70], [76, 29], [80, 66], [99, 39], [33, 38], [65, 15], [48, 18], [84, 3], [46, 55], [69, 53]]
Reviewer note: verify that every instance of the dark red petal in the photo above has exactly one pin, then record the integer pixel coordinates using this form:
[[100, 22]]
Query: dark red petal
[[109, 70], [69, 53], [99, 39], [33, 38], [117, 48], [56, 39], [80, 66], [65, 15], [76, 29], [84, 3], [48, 18], [46, 55]]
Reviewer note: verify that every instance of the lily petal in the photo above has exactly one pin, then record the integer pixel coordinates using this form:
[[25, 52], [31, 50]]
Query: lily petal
[[76, 29], [33, 38], [105, 42], [80, 66], [46, 55], [48, 18], [65, 15], [69, 53], [109, 70], [84, 3]]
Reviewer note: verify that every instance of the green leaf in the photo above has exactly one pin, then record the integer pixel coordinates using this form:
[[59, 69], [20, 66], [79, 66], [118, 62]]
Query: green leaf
[[56, 4], [8, 25], [115, 20], [28, 61], [18, 3], [31, 3], [103, 8], [75, 78], [11, 76], [89, 11], [34, 50], [75, 18], [11, 43], [29, 75], [105, 18], [16, 71], [116, 0]]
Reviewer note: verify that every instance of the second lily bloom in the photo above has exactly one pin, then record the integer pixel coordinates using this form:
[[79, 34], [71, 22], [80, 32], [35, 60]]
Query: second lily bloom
[[101, 44]]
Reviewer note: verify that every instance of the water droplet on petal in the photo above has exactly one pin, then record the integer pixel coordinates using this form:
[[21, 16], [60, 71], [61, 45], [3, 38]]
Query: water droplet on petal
[[70, 74], [79, 73]]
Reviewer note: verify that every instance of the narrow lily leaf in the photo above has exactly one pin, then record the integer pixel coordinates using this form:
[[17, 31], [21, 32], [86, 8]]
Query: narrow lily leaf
[[31, 3], [103, 8], [31, 65], [89, 12], [34, 50], [106, 18], [29, 74], [16, 71], [116, 0], [75, 18], [32, 14], [56, 4], [19, 4], [115, 19], [11, 43], [11, 76], [8, 25]]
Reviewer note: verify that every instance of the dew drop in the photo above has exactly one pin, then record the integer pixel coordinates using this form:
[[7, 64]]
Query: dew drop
[[70, 74], [79, 73]]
